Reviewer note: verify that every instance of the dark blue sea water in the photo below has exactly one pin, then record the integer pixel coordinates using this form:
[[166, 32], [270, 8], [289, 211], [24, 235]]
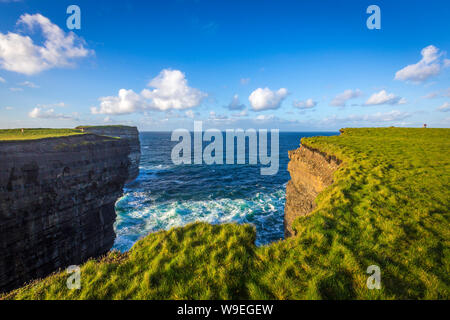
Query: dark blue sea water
[[165, 195]]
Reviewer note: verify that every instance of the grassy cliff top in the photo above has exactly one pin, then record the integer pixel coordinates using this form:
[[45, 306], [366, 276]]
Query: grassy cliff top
[[388, 206], [41, 133], [105, 127], [33, 134]]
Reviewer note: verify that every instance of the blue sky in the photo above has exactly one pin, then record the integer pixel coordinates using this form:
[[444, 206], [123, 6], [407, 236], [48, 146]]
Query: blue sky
[[291, 65]]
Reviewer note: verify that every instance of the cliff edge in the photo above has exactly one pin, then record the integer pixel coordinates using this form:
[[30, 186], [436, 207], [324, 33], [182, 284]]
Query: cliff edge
[[57, 199], [311, 172]]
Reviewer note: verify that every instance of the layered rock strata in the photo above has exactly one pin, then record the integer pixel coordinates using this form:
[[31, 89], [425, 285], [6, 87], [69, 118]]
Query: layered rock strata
[[57, 200], [311, 172]]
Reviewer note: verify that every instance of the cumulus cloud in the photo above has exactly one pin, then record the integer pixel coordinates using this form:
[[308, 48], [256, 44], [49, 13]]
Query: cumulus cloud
[[430, 65], [126, 102], [445, 107], [265, 99], [19, 53], [2, 80], [341, 99], [41, 113], [308, 104], [170, 91], [383, 97], [235, 104]]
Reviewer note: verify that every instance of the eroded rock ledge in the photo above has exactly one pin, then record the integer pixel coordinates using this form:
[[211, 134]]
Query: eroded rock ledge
[[311, 172], [57, 199]]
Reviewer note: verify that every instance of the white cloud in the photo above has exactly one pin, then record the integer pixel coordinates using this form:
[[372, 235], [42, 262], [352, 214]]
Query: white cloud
[[379, 117], [383, 97], [2, 80], [341, 99], [29, 84], [235, 104], [263, 117], [19, 53], [171, 91], [430, 65], [41, 113], [216, 117], [16, 89], [308, 104], [125, 103], [393, 115], [9, 108], [265, 99], [445, 107]]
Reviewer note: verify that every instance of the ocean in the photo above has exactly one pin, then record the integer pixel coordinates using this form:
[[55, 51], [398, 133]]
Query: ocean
[[166, 196]]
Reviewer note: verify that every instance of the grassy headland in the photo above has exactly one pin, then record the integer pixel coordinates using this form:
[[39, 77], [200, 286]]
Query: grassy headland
[[34, 134], [388, 206], [116, 126]]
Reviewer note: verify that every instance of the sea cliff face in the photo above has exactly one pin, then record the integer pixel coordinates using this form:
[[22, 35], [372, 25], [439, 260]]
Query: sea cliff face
[[124, 133], [311, 172], [57, 199]]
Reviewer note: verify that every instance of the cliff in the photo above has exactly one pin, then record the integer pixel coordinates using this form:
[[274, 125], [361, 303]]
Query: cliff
[[57, 199], [311, 172], [124, 133]]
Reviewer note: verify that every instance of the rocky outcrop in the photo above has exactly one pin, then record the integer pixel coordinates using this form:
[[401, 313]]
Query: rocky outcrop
[[311, 172], [57, 199]]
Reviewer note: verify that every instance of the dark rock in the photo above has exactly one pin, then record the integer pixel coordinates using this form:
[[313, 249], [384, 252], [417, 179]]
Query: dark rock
[[57, 200]]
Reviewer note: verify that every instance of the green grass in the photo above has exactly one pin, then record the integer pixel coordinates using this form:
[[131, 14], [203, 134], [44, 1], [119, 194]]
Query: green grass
[[103, 127], [389, 206], [199, 261], [34, 134]]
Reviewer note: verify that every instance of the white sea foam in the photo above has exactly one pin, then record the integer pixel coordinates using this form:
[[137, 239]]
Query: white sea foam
[[157, 167], [150, 217]]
